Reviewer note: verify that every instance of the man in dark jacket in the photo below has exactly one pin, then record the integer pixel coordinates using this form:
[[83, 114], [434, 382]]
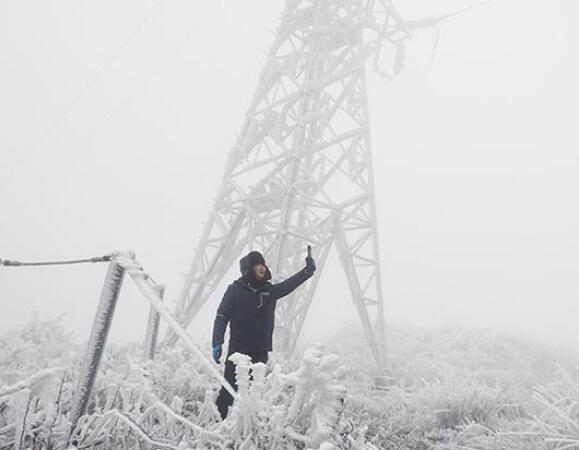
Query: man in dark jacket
[[248, 305]]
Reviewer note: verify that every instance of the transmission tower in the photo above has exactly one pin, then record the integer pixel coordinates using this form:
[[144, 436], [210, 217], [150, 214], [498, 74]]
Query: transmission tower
[[301, 170]]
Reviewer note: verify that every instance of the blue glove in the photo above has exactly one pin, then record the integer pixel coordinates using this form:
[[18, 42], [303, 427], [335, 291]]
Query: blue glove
[[310, 264], [217, 353]]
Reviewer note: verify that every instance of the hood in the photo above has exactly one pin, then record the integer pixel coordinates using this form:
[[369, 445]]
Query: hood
[[250, 260]]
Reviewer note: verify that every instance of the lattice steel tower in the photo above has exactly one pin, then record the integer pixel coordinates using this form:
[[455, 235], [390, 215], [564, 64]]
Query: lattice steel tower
[[301, 170]]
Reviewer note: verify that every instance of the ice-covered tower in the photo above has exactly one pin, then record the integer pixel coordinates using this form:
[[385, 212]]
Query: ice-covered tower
[[301, 170]]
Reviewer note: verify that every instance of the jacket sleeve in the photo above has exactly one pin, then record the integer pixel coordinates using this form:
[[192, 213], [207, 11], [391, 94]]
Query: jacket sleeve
[[287, 286], [222, 318]]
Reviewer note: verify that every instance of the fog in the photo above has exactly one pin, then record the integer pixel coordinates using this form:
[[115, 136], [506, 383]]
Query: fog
[[117, 119]]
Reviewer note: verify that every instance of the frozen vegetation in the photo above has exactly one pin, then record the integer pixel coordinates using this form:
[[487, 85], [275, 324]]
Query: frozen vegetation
[[446, 389]]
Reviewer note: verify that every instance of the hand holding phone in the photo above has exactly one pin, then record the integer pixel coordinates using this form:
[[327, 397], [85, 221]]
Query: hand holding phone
[[310, 263]]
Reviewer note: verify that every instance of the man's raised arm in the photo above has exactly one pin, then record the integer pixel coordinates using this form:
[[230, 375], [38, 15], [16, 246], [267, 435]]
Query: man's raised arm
[[287, 286]]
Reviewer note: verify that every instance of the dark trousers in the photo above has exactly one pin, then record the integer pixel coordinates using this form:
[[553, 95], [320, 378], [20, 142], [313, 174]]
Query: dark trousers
[[224, 399]]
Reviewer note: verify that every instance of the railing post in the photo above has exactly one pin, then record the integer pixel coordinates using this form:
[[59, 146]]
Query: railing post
[[96, 344], [153, 327]]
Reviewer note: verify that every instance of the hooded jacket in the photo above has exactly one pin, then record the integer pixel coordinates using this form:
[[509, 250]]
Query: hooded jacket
[[249, 308]]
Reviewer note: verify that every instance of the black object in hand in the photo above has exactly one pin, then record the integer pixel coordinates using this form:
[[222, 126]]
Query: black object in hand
[[310, 263]]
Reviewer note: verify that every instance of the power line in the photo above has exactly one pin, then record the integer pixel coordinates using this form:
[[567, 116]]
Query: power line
[[82, 92], [14, 263]]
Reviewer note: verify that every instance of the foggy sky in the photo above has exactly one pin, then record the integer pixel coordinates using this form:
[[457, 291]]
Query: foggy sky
[[475, 158]]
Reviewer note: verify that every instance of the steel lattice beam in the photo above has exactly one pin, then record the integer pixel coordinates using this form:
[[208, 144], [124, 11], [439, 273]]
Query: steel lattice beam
[[301, 170]]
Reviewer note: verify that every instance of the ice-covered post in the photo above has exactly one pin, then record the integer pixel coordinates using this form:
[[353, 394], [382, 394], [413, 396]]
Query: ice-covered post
[[96, 344], [153, 327]]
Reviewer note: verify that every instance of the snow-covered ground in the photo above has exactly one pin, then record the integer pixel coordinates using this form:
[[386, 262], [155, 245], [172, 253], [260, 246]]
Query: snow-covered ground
[[445, 389]]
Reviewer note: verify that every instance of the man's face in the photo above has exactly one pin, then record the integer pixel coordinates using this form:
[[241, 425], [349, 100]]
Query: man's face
[[259, 271]]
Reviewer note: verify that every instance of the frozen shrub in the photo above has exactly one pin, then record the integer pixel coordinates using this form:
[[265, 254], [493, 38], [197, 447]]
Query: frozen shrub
[[445, 390], [38, 345], [558, 423], [451, 403]]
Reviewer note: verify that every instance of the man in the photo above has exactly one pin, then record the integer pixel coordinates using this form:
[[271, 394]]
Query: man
[[249, 306]]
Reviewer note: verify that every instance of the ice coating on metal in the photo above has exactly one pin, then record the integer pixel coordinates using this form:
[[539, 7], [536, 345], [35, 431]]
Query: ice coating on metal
[[97, 340], [143, 282], [153, 323]]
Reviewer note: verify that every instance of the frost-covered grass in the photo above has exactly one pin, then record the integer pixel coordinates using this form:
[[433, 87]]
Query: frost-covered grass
[[446, 389]]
